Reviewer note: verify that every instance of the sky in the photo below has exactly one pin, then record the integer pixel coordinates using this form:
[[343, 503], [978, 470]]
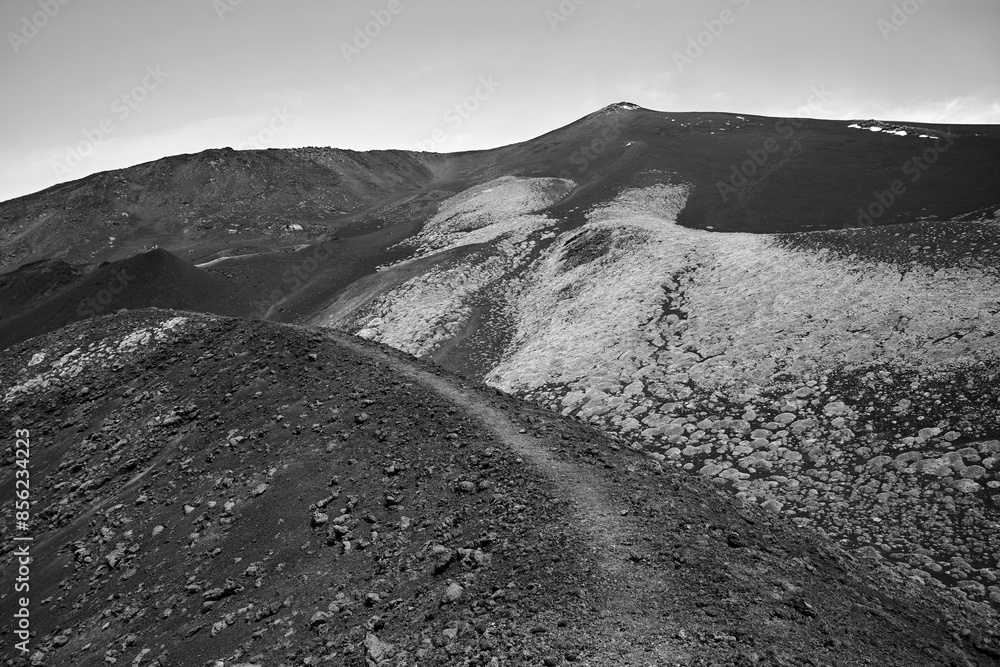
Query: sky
[[92, 86]]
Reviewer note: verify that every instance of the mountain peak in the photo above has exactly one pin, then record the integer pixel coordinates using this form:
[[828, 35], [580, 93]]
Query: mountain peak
[[621, 106]]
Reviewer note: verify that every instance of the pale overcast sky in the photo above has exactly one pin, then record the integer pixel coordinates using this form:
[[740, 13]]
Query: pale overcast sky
[[104, 84]]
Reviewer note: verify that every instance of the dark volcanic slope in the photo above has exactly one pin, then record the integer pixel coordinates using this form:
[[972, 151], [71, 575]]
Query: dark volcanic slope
[[761, 174], [212, 489], [153, 279], [33, 283]]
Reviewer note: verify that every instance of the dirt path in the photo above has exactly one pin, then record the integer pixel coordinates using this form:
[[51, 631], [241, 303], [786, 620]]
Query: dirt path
[[604, 524], [227, 258], [627, 588]]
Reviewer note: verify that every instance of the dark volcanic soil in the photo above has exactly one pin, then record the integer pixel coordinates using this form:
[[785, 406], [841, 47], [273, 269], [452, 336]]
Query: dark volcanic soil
[[152, 279], [216, 491]]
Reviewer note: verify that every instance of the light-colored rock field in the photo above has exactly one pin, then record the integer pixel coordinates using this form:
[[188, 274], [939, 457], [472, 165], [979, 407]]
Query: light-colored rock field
[[750, 308], [843, 391], [41, 373], [501, 207], [434, 306]]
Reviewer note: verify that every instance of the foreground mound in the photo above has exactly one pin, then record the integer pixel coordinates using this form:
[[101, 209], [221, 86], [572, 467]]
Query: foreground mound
[[218, 490]]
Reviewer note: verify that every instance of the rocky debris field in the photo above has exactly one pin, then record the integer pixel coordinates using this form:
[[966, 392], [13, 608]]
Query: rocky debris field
[[210, 491], [846, 379], [972, 245], [495, 226]]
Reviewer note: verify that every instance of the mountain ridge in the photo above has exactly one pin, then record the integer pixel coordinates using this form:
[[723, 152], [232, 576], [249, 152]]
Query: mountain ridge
[[202, 195]]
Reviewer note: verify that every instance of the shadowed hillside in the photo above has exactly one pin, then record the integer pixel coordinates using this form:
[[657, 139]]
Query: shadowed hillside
[[156, 278]]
